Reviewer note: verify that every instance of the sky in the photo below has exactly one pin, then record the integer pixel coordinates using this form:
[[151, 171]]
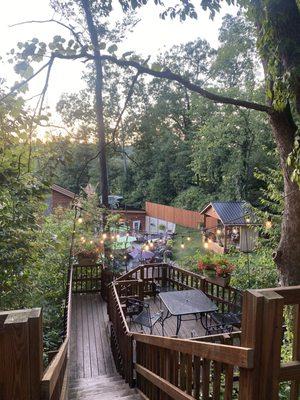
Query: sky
[[150, 36]]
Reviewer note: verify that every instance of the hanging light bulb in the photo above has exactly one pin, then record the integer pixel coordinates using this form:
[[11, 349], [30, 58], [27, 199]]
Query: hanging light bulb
[[91, 242], [182, 245], [205, 243], [118, 236], [82, 239], [209, 241], [80, 220], [147, 248], [219, 231], [112, 237], [111, 256], [247, 219], [125, 258], [101, 241], [127, 234], [268, 223], [188, 239], [104, 236], [151, 244], [234, 230]]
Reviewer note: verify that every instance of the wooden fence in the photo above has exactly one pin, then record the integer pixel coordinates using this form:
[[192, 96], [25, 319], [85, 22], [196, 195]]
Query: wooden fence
[[189, 219]]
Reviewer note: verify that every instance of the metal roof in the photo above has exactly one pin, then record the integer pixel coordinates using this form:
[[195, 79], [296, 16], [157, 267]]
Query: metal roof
[[233, 212]]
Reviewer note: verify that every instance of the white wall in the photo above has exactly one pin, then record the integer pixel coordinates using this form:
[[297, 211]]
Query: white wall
[[152, 225]]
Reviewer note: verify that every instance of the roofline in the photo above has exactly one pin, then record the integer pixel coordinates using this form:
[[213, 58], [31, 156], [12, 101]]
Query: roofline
[[204, 209], [63, 191]]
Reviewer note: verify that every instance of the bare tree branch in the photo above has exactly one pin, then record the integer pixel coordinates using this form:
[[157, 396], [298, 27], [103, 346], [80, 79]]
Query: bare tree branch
[[25, 81], [169, 75], [69, 27]]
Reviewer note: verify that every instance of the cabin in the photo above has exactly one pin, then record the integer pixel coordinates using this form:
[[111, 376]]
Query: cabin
[[60, 197], [229, 224]]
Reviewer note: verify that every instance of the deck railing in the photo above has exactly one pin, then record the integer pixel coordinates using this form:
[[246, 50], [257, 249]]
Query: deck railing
[[245, 365]]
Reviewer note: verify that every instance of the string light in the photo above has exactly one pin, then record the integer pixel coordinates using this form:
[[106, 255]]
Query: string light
[[104, 236], [234, 230], [112, 237], [182, 244], [219, 231], [209, 241], [118, 236], [111, 256], [91, 242], [151, 244], [268, 223], [147, 248], [247, 219], [102, 241], [188, 239], [205, 243], [80, 220]]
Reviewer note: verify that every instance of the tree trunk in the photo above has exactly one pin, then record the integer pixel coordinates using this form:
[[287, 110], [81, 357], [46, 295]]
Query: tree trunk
[[287, 257], [99, 101]]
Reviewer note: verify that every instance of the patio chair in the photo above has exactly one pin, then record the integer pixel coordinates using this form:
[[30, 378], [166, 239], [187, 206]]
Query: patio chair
[[133, 307], [145, 318], [158, 288]]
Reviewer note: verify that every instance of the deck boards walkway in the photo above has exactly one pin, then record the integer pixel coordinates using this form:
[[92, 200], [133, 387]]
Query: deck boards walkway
[[90, 354]]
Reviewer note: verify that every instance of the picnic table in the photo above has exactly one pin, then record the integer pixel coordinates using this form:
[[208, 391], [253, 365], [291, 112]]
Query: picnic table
[[187, 302]]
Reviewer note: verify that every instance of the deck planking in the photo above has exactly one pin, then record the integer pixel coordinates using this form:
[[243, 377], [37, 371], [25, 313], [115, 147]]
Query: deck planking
[[90, 354], [187, 329]]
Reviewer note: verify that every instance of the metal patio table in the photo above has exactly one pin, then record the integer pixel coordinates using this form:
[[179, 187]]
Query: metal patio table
[[187, 302]]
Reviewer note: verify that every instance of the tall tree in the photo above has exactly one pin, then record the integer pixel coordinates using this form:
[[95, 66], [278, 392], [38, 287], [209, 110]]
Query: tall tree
[[278, 40]]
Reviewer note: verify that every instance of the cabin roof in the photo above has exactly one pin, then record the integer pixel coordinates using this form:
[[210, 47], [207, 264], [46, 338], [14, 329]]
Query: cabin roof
[[232, 212], [63, 191]]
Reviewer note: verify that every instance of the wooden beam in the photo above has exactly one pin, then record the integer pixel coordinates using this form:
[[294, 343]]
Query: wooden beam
[[233, 355], [290, 294], [171, 390], [54, 371], [290, 371]]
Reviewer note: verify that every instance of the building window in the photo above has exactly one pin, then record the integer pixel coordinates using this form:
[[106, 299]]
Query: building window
[[136, 225]]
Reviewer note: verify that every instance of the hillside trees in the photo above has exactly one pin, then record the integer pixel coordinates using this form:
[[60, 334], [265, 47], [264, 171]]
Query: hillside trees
[[278, 37]]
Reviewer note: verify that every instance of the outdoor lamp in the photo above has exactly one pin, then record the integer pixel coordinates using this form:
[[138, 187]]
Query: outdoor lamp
[[268, 223]]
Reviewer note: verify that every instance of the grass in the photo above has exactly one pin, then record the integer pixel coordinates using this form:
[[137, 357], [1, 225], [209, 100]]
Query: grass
[[190, 247]]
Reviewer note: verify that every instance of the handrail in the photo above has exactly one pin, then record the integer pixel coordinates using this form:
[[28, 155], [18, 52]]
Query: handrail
[[234, 355], [54, 380]]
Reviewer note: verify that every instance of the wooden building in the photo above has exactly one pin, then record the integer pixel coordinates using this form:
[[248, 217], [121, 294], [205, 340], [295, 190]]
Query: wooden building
[[229, 223], [60, 197]]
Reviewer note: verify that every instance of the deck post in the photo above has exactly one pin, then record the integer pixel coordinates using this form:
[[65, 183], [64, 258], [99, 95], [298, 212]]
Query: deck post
[[21, 349], [141, 289], [262, 331], [251, 337]]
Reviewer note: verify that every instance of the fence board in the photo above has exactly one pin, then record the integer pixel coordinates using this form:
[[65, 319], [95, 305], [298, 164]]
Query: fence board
[[187, 218]]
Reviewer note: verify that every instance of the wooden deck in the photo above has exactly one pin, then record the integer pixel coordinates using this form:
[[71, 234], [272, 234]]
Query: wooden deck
[[188, 329], [90, 353]]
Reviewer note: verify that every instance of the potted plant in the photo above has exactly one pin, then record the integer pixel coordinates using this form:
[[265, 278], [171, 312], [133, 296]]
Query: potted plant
[[86, 252], [216, 269], [206, 265], [223, 272]]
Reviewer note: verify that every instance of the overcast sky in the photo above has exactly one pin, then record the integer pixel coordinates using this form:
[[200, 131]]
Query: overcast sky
[[149, 37]]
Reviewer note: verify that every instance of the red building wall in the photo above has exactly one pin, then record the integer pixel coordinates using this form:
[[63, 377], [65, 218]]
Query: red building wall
[[60, 200]]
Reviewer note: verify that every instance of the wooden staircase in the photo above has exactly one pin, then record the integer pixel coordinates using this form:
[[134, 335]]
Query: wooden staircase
[[104, 387]]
